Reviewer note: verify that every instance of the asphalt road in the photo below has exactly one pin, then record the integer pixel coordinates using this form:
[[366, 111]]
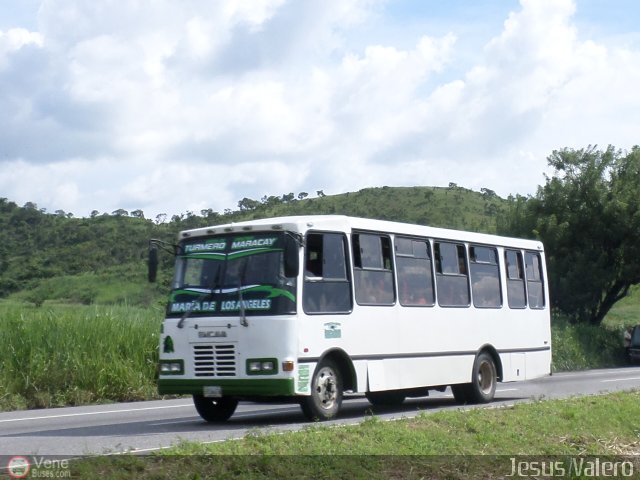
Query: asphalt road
[[148, 426]]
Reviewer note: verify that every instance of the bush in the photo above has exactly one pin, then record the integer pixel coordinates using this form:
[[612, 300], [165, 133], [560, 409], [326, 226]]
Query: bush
[[582, 346]]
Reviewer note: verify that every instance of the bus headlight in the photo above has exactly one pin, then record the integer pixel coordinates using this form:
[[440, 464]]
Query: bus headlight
[[171, 367], [262, 366]]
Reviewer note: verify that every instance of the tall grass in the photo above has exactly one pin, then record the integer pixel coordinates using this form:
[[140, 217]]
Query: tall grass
[[60, 354], [63, 355]]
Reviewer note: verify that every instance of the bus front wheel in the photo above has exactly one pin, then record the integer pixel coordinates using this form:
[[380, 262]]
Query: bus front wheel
[[326, 393], [215, 409], [483, 384]]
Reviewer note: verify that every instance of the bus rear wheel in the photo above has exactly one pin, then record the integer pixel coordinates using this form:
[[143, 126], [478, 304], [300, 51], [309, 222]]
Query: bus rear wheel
[[326, 393], [484, 380], [215, 409]]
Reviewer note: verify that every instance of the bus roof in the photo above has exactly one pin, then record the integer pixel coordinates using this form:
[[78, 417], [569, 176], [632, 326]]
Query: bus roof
[[343, 223]]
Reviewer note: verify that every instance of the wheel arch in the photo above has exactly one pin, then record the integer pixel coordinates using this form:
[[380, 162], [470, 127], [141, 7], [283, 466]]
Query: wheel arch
[[490, 350], [345, 365]]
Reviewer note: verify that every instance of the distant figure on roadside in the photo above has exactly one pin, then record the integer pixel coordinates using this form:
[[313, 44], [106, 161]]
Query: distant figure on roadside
[[627, 338], [632, 343]]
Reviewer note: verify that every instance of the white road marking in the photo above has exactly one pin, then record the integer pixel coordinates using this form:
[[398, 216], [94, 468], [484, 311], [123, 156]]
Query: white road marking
[[583, 373], [95, 413], [620, 379]]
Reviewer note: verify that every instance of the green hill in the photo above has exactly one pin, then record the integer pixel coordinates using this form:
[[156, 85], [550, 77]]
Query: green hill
[[452, 207], [45, 257]]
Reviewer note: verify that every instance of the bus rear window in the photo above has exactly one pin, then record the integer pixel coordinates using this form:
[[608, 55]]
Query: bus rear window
[[515, 279], [535, 290]]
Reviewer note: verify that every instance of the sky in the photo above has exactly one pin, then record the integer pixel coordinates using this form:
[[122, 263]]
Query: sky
[[172, 107]]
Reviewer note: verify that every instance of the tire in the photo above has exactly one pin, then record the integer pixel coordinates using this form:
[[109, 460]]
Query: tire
[[484, 380], [215, 409], [461, 392], [326, 393], [388, 399]]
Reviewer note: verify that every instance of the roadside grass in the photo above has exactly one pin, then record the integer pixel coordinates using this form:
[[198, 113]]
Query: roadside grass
[[626, 312], [592, 425], [75, 354], [471, 443]]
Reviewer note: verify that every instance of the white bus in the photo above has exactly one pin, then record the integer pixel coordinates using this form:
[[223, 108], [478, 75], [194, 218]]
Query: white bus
[[309, 308]]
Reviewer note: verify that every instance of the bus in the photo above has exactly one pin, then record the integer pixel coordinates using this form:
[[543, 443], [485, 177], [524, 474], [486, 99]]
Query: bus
[[310, 308]]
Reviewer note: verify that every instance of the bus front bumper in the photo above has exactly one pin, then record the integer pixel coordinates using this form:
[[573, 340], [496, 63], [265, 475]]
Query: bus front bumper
[[229, 387]]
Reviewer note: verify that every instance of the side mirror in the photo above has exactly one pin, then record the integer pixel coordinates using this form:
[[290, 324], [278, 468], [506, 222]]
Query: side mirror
[[153, 262], [291, 257]]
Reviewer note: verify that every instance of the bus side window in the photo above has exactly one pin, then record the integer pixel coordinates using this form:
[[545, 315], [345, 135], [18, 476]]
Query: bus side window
[[515, 279], [327, 288], [534, 280], [452, 279], [485, 277], [415, 275], [373, 274]]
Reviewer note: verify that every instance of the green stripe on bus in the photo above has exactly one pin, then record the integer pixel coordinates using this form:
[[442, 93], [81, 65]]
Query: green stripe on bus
[[266, 387]]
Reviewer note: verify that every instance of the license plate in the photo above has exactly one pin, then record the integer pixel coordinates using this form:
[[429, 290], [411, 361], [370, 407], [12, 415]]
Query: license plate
[[212, 392]]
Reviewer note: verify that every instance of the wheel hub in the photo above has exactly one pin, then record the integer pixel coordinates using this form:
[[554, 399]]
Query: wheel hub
[[485, 378], [327, 389]]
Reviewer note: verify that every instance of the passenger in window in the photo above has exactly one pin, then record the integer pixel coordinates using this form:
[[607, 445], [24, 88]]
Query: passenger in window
[[405, 293], [411, 292], [377, 291], [313, 265], [385, 289], [445, 292], [368, 289], [486, 292]]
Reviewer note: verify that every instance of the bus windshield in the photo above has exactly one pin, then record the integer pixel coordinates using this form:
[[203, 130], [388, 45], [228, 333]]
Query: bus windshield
[[214, 274]]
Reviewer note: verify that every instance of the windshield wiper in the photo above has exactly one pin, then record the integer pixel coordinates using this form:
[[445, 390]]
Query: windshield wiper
[[243, 316]]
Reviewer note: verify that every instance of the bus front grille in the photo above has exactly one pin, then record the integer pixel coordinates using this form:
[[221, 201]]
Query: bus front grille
[[217, 360]]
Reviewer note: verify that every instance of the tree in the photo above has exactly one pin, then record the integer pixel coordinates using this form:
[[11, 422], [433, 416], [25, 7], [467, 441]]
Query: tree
[[271, 200], [488, 193], [288, 197], [247, 204], [588, 216]]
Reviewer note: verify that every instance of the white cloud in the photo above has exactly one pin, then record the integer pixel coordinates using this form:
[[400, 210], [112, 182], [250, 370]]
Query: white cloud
[[184, 106], [15, 39]]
